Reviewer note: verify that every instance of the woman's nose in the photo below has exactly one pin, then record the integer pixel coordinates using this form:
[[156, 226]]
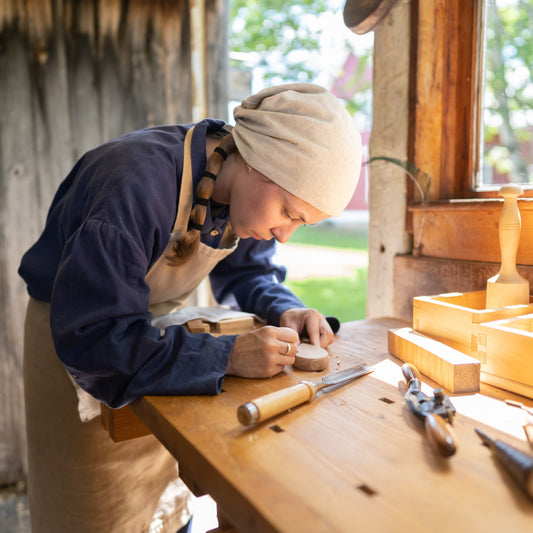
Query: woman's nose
[[282, 233]]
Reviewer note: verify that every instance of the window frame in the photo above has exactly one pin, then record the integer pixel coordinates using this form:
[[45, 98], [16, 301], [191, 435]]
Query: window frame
[[446, 63], [445, 100]]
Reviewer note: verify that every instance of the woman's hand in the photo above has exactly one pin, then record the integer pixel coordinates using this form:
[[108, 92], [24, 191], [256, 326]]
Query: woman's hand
[[263, 352], [311, 322]]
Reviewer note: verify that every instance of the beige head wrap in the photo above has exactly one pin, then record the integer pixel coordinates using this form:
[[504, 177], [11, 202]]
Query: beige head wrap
[[301, 137]]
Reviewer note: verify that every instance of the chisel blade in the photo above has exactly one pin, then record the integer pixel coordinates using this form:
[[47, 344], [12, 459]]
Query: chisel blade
[[344, 376]]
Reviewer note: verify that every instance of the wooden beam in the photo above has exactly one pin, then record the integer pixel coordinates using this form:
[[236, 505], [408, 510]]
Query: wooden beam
[[198, 60], [122, 424], [446, 59], [450, 368]]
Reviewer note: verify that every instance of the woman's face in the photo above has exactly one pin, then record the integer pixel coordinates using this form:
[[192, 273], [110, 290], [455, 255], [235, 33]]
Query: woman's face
[[261, 209]]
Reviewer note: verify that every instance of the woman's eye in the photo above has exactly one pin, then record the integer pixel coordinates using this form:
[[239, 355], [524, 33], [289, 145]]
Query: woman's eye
[[286, 214]]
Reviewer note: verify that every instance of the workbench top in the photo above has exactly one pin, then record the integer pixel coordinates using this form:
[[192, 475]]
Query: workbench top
[[354, 459]]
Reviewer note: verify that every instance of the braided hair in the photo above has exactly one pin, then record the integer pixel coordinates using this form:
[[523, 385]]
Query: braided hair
[[187, 243]]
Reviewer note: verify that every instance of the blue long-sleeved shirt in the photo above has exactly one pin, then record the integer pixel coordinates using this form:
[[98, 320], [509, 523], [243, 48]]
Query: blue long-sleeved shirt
[[109, 222]]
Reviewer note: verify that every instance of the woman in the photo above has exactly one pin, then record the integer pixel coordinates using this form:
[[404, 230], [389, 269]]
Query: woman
[[135, 227]]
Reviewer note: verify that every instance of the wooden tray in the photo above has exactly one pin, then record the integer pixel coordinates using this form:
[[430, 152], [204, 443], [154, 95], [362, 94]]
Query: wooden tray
[[505, 349], [454, 318]]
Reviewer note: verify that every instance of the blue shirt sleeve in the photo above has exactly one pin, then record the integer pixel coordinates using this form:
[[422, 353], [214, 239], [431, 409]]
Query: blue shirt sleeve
[[109, 222], [102, 330], [250, 276]]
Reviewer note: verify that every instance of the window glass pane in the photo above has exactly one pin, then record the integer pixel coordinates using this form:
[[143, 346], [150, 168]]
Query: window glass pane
[[507, 118]]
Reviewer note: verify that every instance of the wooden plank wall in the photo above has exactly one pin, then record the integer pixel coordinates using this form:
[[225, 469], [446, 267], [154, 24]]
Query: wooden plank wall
[[73, 74]]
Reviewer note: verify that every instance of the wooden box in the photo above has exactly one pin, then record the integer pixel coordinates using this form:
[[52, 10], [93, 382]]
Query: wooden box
[[501, 339], [454, 318], [505, 349]]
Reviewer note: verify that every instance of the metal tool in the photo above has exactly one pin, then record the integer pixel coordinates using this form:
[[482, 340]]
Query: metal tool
[[432, 410], [517, 463], [528, 426], [274, 403]]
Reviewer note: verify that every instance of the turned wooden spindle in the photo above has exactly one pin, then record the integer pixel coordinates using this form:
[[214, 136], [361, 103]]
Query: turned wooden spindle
[[508, 287]]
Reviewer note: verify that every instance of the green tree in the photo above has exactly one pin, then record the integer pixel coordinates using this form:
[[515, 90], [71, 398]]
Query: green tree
[[508, 99], [283, 39], [276, 32]]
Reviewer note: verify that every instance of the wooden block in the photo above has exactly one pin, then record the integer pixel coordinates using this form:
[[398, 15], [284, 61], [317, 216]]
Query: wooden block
[[235, 326], [311, 358], [122, 424], [198, 326], [506, 352], [450, 368]]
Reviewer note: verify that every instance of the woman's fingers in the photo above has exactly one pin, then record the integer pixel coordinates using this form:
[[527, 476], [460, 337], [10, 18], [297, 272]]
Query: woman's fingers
[[263, 352], [311, 323], [288, 348]]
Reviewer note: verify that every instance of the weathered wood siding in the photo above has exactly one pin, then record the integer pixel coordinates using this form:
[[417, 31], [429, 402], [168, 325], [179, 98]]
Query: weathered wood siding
[[390, 125], [73, 74]]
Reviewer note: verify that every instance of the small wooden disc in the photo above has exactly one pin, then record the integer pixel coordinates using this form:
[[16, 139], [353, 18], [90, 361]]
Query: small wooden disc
[[310, 357]]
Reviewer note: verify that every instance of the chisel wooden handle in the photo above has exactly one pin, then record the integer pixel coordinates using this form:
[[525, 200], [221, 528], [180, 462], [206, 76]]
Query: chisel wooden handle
[[410, 373], [440, 434], [274, 403]]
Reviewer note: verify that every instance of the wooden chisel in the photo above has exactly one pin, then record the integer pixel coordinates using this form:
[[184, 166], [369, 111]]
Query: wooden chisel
[[275, 403]]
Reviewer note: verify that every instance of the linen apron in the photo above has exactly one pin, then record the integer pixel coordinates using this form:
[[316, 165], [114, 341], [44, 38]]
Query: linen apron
[[79, 480]]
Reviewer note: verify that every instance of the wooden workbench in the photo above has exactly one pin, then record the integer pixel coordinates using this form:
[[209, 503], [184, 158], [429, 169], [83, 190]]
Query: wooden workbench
[[354, 459]]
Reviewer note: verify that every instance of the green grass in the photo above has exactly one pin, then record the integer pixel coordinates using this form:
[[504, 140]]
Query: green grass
[[343, 297], [332, 236]]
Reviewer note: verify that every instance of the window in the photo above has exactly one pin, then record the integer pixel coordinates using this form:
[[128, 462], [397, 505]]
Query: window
[[447, 95], [460, 222], [506, 133], [455, 234]]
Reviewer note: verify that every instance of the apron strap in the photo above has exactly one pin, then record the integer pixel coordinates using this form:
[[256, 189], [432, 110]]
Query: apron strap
[[186, 192]]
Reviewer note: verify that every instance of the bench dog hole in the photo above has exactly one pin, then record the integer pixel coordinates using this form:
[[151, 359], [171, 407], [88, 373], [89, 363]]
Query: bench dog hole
[[369, 491], [386, 400], [276, 428]]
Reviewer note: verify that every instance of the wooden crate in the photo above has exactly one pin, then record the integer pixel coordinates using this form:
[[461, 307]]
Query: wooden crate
[[454, 318], [501, 339], [505, 349]]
